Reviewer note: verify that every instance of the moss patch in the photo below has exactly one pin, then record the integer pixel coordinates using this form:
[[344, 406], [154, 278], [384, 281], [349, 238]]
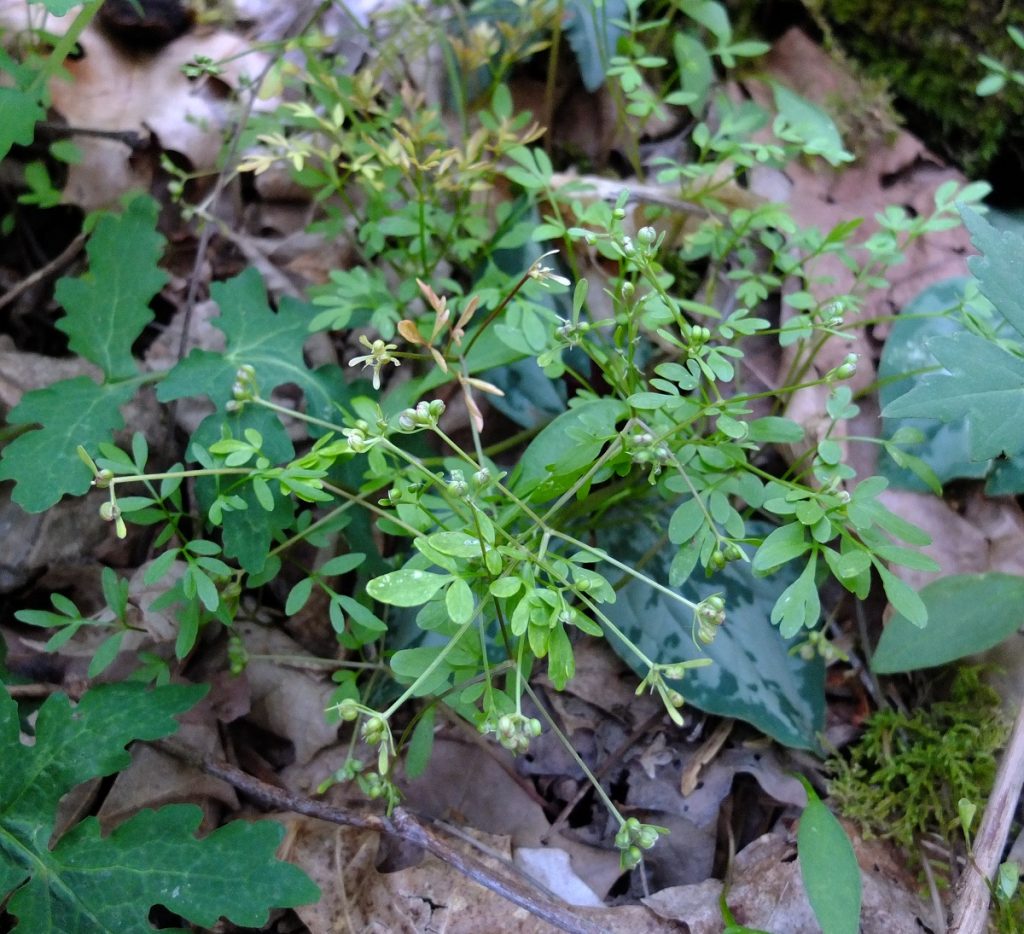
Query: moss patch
[[927, 51]]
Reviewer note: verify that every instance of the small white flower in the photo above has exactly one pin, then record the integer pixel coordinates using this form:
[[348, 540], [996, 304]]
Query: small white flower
[[543, 273], [379, 355]]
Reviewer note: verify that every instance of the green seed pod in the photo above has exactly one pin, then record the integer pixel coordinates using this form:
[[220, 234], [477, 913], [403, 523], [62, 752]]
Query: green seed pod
[[647, 838], [631, 858], [733, 552], [348, 709]]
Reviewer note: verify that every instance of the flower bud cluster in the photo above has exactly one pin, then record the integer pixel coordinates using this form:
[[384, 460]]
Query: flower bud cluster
[[644, 248], [403, 493], [644, 448], [831, 314], [708, 617], [244, 389], [425, 415], [456, 485], [728, 553], [238, 655], [348, 709], [359, 438], [818, 645], [633, 838], [845, 370], [572, 333], [698, 339], [374, 729], [111, 512], [375, 786], [513, 730]]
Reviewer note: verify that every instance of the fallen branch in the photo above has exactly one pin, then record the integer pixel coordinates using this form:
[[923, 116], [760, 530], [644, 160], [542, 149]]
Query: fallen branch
[[402, 824], [969, 914]]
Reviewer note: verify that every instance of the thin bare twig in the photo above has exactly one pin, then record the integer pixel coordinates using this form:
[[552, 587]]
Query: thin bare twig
[[969, 914], [54, 265], [402, 824], [32, 691]]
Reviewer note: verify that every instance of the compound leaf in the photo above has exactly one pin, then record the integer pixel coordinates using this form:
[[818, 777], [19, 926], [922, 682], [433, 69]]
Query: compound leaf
[[108, 307], [88, 883], [43, 463]]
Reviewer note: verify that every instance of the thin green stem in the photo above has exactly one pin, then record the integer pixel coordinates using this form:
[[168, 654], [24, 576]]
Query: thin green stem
[[442, 654], [568, 746], [294, 413]]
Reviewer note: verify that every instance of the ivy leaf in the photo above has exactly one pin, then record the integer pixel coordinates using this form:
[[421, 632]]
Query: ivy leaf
[[108, 307], [106, 311], [271, 342], [20, 111], [91, 884], [983, 381], [43, 463]]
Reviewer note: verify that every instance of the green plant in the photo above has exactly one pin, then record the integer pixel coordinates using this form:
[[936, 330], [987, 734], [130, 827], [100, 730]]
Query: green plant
[[928, 54], [828, 866], [967, 614], [983, 363], [465, 560], [40, 58], [998, 74], [906, 773], [85, 882]]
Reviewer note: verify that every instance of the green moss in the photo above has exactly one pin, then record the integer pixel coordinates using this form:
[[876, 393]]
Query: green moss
[[904, 776], [927, 51]]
